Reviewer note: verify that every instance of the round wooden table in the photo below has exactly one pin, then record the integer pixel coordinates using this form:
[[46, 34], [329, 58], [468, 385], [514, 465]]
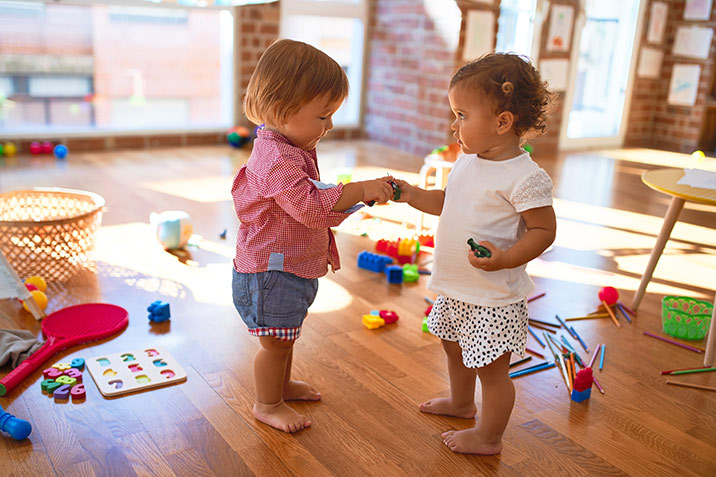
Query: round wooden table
[[666, 181]]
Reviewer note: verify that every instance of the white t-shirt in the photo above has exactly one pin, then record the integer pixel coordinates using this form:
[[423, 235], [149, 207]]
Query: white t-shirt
[[483, 201]]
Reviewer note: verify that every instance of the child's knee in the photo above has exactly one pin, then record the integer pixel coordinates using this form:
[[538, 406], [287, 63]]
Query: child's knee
[[276, 345]]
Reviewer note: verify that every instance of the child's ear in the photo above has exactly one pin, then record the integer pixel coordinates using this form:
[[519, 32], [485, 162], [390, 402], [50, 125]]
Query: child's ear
[[505, 121]]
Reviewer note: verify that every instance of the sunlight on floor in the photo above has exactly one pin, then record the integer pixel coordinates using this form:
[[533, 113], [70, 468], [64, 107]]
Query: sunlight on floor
[[199, 189]]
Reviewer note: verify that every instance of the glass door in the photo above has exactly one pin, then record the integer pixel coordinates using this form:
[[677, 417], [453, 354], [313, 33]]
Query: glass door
[[602, 65]]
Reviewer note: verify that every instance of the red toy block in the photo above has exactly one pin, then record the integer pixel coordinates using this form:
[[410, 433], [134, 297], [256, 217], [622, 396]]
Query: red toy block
[[51, 373], [388, 316], [583, 380]]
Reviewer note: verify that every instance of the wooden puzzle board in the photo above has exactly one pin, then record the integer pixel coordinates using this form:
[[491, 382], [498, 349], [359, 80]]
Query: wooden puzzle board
[[129, 371]]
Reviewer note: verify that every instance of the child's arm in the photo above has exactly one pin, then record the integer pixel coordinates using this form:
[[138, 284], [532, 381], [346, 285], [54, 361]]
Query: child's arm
[[541, 225], [378, 190], [428, 201]]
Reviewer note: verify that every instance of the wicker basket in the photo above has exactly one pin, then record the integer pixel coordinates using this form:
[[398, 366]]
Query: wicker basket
[[684, 317], [48, 232]]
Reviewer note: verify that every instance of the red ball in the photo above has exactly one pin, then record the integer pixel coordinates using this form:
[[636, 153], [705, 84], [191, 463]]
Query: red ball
[[35, 148], [47, 147], [609, 294]]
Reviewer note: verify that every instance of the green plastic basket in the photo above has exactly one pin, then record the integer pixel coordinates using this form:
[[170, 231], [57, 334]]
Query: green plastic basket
[[684, 317]]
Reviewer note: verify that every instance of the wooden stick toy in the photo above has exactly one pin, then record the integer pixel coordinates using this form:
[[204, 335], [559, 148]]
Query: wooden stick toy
[[532, 370], [609, 296], [535, 297], [588, 317], [599, 386], [621, 308], [628, 310], [594, 356], [564, 325], [690, 348], [544, 323], [579, 338], [534, 335], [520, 361], [690, 371], [542, 327], [530, 351], [689, 385], [684, 369]]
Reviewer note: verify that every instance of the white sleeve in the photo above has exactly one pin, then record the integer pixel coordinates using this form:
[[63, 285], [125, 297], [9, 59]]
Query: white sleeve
[[535, 190]]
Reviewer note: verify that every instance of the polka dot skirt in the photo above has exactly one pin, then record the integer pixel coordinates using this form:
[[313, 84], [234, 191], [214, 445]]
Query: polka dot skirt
[[484, 333]]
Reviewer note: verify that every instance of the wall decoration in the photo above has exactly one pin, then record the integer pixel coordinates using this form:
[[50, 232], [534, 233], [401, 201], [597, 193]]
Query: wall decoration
[[479, 34], [684, 85], [697, 10], [650, 62], [560, 28], [657, 22], [693, 42], [554, 71]]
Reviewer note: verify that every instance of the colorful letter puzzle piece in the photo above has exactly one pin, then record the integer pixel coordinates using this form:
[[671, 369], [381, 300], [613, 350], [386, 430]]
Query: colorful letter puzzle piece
[[63, 380]]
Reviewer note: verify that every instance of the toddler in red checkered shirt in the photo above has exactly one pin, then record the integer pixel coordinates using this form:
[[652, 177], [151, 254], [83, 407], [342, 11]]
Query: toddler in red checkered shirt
[[284, 242]]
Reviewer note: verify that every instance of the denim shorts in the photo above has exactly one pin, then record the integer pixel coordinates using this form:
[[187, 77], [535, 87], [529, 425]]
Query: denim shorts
[[273, 303]]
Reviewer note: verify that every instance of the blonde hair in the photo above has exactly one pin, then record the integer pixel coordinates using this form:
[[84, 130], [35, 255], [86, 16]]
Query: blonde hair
[[510, 83], [289, 75]]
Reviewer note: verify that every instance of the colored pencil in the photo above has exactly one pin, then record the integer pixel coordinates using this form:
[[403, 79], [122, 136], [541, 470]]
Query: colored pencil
[[689, 385], [531, 370], [626, 315], [559, 346], [539, 365], [611, 314], [562, 323], [535, 297], [574, 367], [530, 351], [570, 372], [579, 338], [566, 343], [683, 369], [588, 317], [599, 386], [629, 310], [534, 335], [601, 357], [561, 373], [542, 327], [594, 356], [579, 360], [690, 348], [520, 361], [690, 371], [429, 300], [544, 322], [563, 364]]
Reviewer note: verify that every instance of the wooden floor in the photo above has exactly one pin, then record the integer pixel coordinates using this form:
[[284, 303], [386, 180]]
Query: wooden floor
[[371, 381]]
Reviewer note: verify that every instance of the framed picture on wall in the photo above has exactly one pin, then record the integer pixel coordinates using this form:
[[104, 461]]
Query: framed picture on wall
[[697, 10], [684, 85], [657, 22], [560, 28]]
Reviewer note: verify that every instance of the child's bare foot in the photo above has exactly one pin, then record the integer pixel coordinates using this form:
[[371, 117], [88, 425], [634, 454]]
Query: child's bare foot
[[280, 416], [468, 441], [300, 391], [446, 407]]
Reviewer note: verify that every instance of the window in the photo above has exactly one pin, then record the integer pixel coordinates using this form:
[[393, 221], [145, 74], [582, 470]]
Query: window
[[516, 26], [102, 67], [336, 27]]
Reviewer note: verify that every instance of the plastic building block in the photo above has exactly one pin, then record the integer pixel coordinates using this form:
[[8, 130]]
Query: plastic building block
[[428, 310], [582, 388], [158, 311], [78, 363], [387, 247], [410, 273], [18, 429], [389, 316], [45, 383], [426, 240], [394, 273], [371, 321], [375, 312], [373, 261], [425, 324]]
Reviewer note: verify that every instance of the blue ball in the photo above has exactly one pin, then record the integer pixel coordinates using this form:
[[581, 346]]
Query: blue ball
[[61, 151]]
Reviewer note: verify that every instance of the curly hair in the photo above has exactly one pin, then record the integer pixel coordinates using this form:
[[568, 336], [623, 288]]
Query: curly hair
[[512, 84], [289, 75]]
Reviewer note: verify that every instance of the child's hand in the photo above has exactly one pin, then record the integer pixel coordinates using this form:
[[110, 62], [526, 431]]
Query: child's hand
[[496, 261], [378, 190], [406, 191]]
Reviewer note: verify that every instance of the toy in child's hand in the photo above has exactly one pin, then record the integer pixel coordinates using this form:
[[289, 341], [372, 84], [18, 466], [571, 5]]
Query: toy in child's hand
[[396, 193], [19, 429], [480, 251]]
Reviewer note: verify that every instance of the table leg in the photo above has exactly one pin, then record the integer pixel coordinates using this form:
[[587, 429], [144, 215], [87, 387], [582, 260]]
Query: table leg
[[711, 339], [672, 214]]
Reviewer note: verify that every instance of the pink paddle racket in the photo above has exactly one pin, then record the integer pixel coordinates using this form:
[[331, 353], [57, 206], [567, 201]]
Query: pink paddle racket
[[68, 327]]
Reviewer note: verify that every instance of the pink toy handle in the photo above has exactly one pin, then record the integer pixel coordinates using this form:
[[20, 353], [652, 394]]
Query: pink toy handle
[[14, 377]]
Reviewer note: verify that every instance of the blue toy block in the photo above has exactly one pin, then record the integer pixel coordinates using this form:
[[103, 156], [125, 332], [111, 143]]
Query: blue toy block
[[579, 396], [394, 273], [158, 311], [373, 261]]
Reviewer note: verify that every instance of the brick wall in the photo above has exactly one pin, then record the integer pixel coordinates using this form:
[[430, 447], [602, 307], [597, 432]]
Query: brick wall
[[652, 121], [407, 75]]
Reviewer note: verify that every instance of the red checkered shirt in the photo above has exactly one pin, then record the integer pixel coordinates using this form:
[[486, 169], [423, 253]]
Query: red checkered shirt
[[285, 219]]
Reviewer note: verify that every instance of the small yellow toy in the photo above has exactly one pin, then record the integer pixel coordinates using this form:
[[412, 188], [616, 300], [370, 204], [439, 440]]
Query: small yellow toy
[[373, 321]]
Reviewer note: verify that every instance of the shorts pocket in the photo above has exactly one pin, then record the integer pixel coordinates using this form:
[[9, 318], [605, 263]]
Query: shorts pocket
[[240, 288], [286, 294]]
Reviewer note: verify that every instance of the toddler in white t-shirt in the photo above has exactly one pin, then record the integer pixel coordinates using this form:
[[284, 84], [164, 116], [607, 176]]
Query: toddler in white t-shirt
[[497, 195]]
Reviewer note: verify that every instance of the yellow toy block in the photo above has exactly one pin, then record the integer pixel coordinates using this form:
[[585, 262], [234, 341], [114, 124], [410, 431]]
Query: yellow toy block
[[406, 247], [373, 321]]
